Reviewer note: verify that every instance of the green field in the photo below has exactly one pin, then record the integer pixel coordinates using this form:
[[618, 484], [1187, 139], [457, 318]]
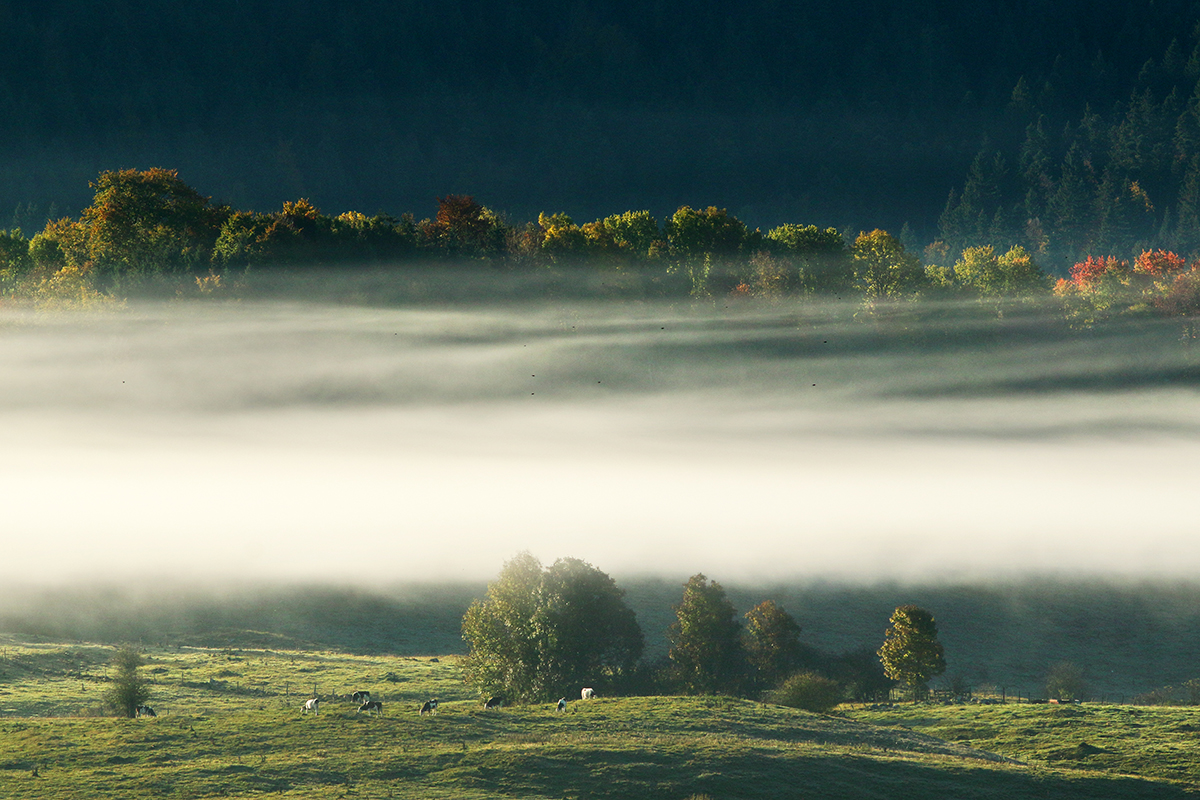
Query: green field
[[230, 725]]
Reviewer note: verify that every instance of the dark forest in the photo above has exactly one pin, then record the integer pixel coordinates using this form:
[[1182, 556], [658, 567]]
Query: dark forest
[[856, 115]]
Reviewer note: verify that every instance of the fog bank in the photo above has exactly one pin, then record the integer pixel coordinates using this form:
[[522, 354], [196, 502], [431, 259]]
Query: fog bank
[[310, 441]]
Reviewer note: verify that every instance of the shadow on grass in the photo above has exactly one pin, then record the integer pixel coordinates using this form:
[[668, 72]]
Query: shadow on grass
[[616, 776]]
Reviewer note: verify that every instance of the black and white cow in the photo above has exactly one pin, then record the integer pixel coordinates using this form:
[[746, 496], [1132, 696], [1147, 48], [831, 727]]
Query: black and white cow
[[144, 711], [562, 704], [428, 707], [313, 705], [493, 702], [372, 705], [588, 693]]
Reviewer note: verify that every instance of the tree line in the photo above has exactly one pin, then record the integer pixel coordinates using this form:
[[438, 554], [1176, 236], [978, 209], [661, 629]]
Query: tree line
[[1114, 177], [541, 632], [150, 222]]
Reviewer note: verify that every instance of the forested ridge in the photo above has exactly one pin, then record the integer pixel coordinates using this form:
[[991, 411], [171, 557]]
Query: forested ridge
[[863, 114]]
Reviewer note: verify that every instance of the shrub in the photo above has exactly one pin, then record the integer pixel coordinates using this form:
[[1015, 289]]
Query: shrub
[[1065, 681], [808, 691]]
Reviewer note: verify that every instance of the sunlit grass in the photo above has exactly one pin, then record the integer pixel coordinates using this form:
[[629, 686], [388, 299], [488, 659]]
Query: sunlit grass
[[230, 724]]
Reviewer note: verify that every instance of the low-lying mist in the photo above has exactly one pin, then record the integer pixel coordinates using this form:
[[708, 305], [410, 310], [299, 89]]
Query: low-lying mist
[[427, 433]]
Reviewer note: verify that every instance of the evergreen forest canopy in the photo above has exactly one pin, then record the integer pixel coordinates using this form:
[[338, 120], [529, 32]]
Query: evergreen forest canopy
[[149, 223], [859, 115]]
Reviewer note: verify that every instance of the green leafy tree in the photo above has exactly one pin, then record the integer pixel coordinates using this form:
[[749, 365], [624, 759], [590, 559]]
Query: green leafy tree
[[706, 647], [633, 231], [62, 243], [594, 637], [541, 632], [127, 689], [911, 652], [696, 233], [562, 239], [820, 255], [14, 253], [772, 643], [990, 275]]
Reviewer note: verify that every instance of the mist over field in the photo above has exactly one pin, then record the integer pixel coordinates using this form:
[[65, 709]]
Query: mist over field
[[429, 438]]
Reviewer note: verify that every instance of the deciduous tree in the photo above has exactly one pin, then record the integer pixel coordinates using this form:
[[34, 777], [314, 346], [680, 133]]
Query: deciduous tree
[[772, 642], [127, 690], [706, 649], [541, 632], [149, 220], [911, 652], [882, 269]]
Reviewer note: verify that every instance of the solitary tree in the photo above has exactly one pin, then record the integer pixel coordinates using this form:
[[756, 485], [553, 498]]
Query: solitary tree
[[706, 647], [127, 690], [911, 652], [539, 632]]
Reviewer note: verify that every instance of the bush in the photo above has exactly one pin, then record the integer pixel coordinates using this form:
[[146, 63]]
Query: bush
[[808, 691], [1065, 681]]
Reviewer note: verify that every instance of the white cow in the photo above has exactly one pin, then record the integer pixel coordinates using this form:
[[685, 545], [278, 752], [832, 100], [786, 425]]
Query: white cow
[[588, 693], [313, 705]]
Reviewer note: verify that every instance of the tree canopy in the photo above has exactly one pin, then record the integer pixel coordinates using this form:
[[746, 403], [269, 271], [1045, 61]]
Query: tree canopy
[[911, 652], [772, 642], [540, 633], [706, 647], [128, 689]]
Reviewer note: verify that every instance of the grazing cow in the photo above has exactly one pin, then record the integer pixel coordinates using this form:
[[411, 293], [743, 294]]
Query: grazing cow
[[588, 693], [144, 711], [428, 707], [493, 702], [313, 705], [372, 705], [360, 697], [562, 704]]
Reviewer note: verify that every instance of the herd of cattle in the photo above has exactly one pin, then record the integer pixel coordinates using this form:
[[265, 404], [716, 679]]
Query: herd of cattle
[[365, 703], [363, 698]]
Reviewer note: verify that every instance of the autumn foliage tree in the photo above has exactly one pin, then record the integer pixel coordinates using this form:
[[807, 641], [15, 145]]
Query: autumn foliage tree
[[882, 268], [464, 227], [149, 221], [911, 652]]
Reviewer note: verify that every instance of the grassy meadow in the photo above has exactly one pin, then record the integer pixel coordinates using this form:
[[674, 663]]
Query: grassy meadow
[[230, 725]]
